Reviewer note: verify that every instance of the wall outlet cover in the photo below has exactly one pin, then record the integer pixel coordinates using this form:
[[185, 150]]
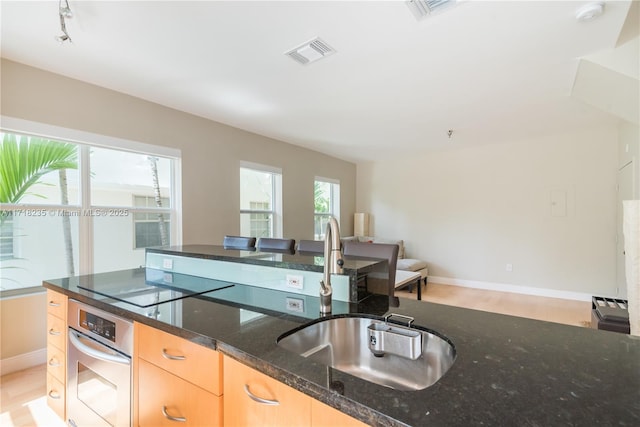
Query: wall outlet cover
[[167, 263], [295, 304], [295, 281]]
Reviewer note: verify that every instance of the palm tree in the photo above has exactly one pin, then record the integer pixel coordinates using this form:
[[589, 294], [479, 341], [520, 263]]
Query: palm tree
[[25, 160], [23, 163]]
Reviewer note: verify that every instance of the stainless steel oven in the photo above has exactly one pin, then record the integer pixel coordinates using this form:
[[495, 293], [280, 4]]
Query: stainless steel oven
[[100, 346]]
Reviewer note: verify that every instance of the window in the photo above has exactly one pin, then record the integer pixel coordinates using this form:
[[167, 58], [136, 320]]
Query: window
[[260, 202], [6, 235], [326, 195], [150, 228], [74, 214]]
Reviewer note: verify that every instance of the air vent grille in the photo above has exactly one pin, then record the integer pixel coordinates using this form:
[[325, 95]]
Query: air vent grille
[[310, 51], [423, 8]]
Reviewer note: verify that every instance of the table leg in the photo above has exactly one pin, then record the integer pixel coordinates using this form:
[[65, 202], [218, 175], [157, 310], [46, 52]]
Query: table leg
[[419, 285]]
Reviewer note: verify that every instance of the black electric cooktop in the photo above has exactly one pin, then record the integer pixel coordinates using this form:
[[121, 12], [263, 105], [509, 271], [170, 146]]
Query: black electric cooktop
[[158, 287]]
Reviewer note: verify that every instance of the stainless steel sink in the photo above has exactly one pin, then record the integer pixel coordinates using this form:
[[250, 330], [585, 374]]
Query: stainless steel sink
[[343, 343]]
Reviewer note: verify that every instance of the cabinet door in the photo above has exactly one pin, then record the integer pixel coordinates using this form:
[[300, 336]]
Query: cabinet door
[[57, 304], [56, 394], [56, 363], [254, 399], [167, 400], [325, 416], [195, 363]]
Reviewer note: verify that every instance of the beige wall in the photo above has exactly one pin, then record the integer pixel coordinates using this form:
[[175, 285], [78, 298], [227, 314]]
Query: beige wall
[[469, 212], [211, 154], [23, 325]]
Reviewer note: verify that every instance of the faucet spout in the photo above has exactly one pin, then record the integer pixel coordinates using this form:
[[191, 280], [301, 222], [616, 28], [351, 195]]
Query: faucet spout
[[333, 263]]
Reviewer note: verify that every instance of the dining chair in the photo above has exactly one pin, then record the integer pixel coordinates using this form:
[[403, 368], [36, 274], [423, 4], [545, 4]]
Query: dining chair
[[239, 242], [377, 251], [311, 246], [269, 244]]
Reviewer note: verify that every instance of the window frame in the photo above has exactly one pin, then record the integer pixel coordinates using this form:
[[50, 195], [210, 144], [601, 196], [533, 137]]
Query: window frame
[[276, 196], [84, 141], [334, 203]]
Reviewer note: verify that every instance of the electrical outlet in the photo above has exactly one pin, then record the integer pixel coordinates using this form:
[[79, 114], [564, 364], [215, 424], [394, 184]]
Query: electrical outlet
[[508, 267], [167, 277], [294, 281], [295, 304], [167, 263]]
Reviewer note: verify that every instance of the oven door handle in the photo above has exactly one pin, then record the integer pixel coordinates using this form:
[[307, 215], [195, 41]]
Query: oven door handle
[[74, 339]]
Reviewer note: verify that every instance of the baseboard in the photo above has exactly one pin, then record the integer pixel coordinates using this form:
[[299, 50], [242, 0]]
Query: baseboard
[[23, 361], [504, 287]]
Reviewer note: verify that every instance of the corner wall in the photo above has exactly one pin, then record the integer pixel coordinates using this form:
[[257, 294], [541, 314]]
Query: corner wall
[[470, 212]]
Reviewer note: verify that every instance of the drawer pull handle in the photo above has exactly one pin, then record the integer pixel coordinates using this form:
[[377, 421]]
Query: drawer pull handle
[[170, 418], [259, 399], [54, 304], [54, 362], [54, 394], [170, 356], [54, 332]]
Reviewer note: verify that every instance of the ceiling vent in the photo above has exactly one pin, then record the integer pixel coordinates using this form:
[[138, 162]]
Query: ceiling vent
[[310, 51], [423, 8]]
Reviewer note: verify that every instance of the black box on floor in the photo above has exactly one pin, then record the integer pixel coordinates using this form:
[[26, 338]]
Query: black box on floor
[[610, 314]]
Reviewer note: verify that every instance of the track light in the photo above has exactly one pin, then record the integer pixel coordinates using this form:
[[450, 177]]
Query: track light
[[64, 11]]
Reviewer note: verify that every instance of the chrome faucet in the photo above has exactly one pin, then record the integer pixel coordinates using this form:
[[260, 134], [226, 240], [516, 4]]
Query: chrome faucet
[[332, 263]]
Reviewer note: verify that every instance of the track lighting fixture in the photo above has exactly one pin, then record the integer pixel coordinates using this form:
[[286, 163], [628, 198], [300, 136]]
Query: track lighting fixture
[[64, 11]]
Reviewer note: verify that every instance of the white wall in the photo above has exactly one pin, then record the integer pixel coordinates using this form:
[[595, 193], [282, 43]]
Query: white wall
[[469, 212]]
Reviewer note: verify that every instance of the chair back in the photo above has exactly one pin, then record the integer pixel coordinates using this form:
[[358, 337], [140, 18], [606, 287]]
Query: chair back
[[377, 251], [268, 244], [311, 246], [239, 242]]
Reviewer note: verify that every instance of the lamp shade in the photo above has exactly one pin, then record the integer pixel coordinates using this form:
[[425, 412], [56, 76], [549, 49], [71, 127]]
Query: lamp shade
[[361, 224]]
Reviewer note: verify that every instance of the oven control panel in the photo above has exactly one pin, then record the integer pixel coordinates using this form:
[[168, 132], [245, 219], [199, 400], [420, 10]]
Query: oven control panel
[[98, 325]]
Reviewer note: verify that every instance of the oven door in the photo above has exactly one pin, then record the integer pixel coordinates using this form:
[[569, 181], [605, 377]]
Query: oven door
[[99, 384]]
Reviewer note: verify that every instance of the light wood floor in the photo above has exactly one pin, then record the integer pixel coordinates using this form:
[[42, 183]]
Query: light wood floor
[[569, 312], [23, 402]]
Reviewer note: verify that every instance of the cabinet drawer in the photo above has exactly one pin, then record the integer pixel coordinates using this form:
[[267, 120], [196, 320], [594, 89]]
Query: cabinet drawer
[[254, 399], [195, 363], [325, 416], [57, 304], [56, 363], [163, 395], [56, 331], [56, 396]]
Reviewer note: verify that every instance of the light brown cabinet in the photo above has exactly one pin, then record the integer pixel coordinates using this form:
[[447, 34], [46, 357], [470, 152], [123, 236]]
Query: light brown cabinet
[[176, 382], [254, 399], [57, 352], [325, 416]]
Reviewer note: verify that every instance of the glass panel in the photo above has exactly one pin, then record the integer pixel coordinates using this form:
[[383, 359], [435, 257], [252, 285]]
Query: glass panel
[[114, 245], [40, 249], [99, 394], [320, 226], [256, 189], [118, 177], [256, 224], [322, 197], [52, 176]]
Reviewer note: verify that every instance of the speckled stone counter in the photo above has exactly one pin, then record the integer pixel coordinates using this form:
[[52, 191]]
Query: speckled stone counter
[[508, 371]]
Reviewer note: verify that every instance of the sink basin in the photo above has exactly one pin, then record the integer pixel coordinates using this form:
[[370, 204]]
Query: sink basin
[[343, 343]]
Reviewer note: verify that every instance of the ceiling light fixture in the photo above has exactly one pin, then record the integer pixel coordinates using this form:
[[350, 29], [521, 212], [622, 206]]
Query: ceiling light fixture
[[423, 8], [590, 11], [64, 11]]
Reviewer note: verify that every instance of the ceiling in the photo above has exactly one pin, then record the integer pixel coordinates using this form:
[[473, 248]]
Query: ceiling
[[493, 72]]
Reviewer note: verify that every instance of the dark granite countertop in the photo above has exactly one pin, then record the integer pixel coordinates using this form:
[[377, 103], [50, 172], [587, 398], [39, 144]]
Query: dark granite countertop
[[281, 259], [508, 371]]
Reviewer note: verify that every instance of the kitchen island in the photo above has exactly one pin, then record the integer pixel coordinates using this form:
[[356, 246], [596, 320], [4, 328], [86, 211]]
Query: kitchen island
[[508, 370]]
